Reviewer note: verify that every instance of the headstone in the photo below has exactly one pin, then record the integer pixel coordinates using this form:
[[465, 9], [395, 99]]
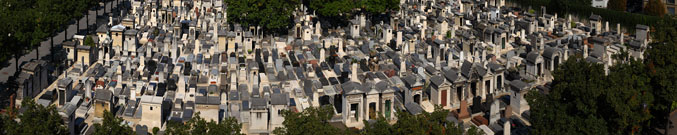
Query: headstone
[[463, 114], [429, 54], [402, 67], [506, 128], [321, 55], [494, 112], [353, 76], [508, 111], [398, 42]]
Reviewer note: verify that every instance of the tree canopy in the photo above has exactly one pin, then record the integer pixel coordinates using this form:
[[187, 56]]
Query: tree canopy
[[112, 125], [25, 123], [583, 100], [271, 15], [315, 121], [26, 23], [635, 97], [655, 8], [199, 126], [311, 121], [618, 5]]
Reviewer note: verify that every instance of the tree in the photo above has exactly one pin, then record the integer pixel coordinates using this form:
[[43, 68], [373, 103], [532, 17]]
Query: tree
[[112, 125], [626, 101], [655, 8], [227, 126], [311, 121], [89, 41], [379, 127], [271, 15], [584, 100], [572, 106], [50, 121], [199, 126], [618, 5], [155, 130], [426, 123], [662, 70]]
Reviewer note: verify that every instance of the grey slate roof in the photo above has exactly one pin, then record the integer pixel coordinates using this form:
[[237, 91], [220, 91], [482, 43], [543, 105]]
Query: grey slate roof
[[65, 82], [103, 95], [518, 85], [532, 56], [437, 80], [352, 88], [413, 108], [259, 103], [279, 99]]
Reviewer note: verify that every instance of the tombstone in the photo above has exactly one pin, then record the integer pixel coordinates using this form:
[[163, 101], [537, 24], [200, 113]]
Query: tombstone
[[429, 54], [508, 111], [464, 114], [450, 59], [353, 76], [321, 55], [494, 112], [506, 128], [437, 61], [340, 46], [398, 40], [402, 67], [477, 105]]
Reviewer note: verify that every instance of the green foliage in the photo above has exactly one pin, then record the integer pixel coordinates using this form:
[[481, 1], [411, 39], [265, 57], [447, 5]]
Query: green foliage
[[271, 15], [314, 121], [618, 5], [333, 8], [586, 100], [199, 126], [571, 107], [582, 9], [425, 123], [49, 120], [112, 125], [655, 8], [32, 21], [662, 69], [155, 130], [89, 41]]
